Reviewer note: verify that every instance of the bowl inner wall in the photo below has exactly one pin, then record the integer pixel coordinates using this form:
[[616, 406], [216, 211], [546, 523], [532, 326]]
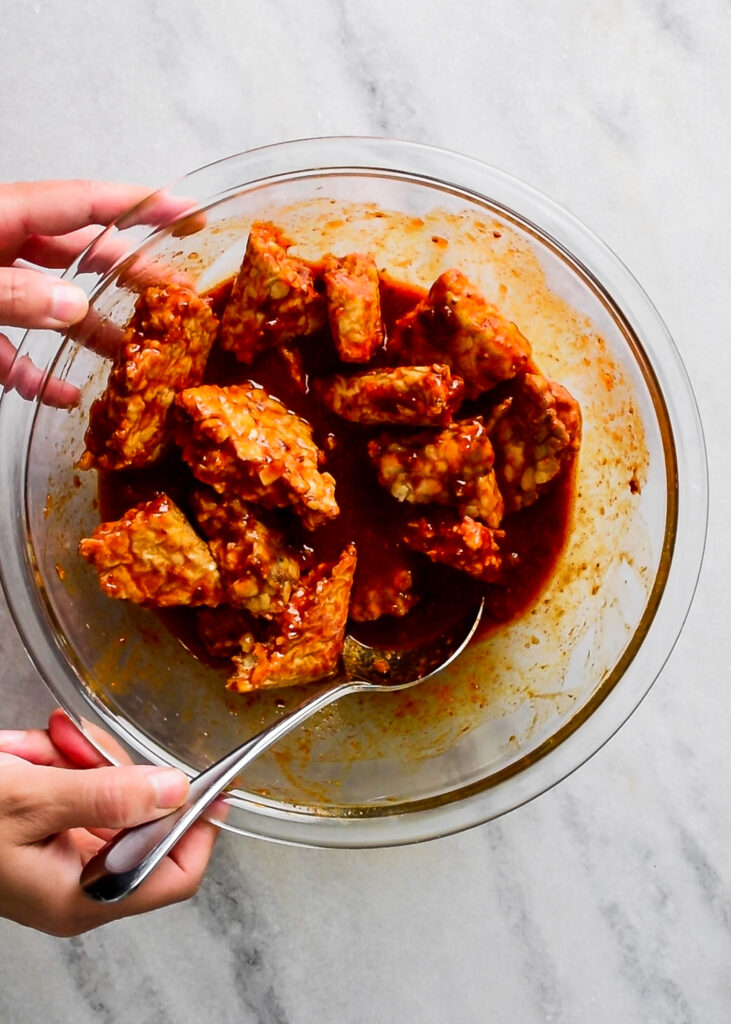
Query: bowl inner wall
[[507, 695]]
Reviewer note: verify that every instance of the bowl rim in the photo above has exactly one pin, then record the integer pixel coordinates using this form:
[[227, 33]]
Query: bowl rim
[[683, 443]]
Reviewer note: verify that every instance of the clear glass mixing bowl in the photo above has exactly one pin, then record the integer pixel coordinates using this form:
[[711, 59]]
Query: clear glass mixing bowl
[[521, 709]]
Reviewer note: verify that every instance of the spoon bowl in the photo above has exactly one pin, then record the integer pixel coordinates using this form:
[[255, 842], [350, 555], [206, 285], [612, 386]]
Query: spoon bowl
[[131, 856]]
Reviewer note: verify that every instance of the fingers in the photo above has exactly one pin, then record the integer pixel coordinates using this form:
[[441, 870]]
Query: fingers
[[39, 880], [24, 377], [57, 251], [68, 739], [194, 850], [76, 748], [9, 759], [40, 801], [34, 745], [99, 334], [31, 299], [161, 208], [73, 912], [62, 745], [137, 273], [178, 877], [59, 207]]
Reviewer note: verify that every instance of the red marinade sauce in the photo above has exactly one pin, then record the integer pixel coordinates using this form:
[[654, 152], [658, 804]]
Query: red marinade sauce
[[369, 515]]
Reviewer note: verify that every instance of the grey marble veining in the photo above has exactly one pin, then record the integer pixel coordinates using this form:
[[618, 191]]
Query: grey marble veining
[[609, 898]]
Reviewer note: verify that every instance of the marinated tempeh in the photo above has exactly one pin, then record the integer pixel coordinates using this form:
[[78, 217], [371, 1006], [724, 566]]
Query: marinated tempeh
[[257, 567], [311, 632], [273, 299], [419, 396], [451, 467], [465, 544], [164, 349], [243, 442], [353, 306], [152, 555], [455, 325], [536, 432], [274, 581]]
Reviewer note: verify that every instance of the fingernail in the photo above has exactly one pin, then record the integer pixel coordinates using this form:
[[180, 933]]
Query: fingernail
[[10, 738], [170, 785], [68, 303]]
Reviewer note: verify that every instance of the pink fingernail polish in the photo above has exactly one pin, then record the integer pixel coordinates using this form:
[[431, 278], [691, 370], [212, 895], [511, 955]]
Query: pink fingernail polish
[[68, 303]]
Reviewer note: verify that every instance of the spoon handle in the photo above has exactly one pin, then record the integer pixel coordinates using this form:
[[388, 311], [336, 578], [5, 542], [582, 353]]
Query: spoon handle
[[127, 859]]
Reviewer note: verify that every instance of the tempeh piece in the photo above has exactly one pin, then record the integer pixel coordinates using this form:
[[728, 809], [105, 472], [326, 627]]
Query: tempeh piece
[[451, 467], [353, 306], [312, 632], [536, 432], [273, 297], [153, 556], [455, 325], [163, 350], [257, 568], [419, 396], [242, 441], [464, 543]]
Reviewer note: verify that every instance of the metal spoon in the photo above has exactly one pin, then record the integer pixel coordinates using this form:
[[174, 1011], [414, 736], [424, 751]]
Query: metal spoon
[[126, 861]]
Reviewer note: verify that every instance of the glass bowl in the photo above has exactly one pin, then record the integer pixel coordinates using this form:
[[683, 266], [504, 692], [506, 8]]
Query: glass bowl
[[522, 708]]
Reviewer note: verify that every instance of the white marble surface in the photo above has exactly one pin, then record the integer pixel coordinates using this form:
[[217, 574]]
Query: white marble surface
[[608, 899]]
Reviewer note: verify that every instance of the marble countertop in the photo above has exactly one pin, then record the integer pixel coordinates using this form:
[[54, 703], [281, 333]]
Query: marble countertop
[[609, 898]]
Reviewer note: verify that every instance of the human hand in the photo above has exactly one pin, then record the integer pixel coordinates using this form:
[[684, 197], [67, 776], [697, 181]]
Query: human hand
[[54, 818], [48, 224]]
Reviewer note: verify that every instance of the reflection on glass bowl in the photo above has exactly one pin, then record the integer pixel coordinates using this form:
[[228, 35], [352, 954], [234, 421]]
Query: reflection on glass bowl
[[524, 706]]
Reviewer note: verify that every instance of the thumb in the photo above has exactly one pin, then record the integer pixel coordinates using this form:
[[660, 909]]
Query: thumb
[[48, 800]]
